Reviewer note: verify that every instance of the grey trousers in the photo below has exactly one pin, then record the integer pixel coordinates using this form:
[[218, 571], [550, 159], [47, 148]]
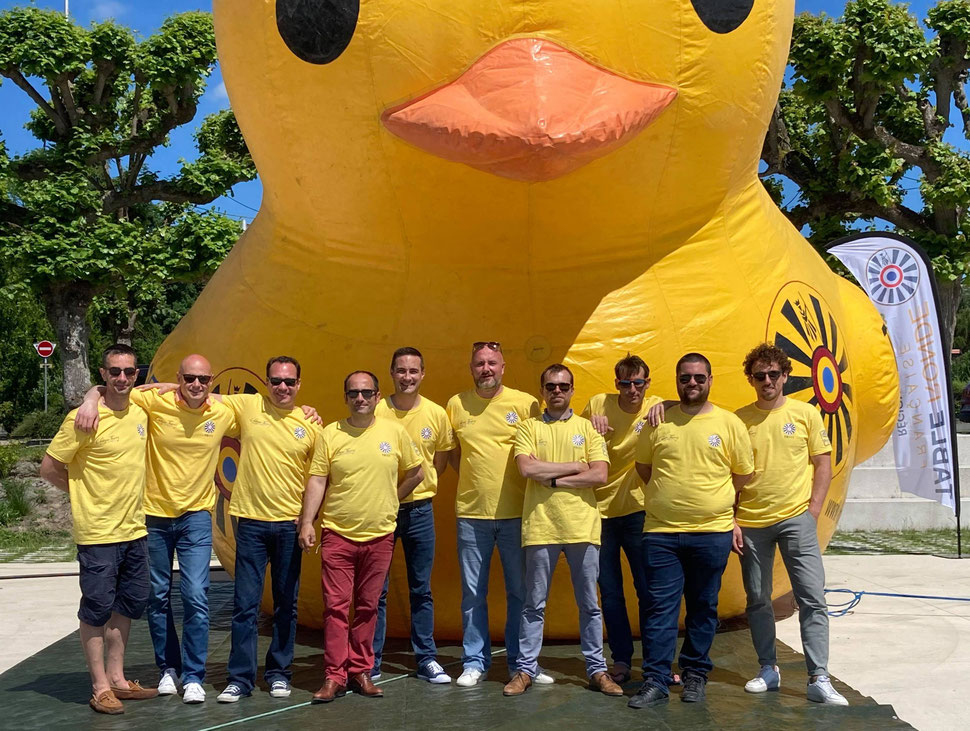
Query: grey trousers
[[583, 560], [798, 541]]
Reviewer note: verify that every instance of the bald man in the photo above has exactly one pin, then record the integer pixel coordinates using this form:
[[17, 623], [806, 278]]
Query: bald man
[[185, 431]]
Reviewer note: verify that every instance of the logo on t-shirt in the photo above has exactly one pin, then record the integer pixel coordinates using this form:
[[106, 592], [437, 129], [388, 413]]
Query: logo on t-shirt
[[299, 432], [209, 427], [639, 426], [789, 429], [512, 417], [578, 440], [426, 432], [714, 440], [141, 430], [385, 447], [825, 438]]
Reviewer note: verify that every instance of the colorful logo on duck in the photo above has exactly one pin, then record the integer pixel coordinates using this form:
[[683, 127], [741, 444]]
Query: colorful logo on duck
[[426, 433], [299, 432], [385, 447], [892, 276], [578, 440], [512, 417], [209, 427], [715, 440]]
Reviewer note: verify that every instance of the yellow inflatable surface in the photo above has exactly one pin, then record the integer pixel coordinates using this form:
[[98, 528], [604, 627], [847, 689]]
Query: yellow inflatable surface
[[574, 178]]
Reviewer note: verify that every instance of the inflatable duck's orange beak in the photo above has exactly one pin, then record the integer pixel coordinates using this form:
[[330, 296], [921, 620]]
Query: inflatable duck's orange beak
[[529, 110]]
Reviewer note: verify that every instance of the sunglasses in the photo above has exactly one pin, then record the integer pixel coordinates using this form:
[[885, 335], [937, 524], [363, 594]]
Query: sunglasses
[[192, 378], [762, 375], [490, 344], [699, 378], [367, 393], [564, 387], [627, 382], [276, 381], [116, 371]]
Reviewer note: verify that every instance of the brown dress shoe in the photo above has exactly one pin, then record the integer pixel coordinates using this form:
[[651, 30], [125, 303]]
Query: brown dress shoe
[[134, 692], [361, 683], [328, 691], [602, 682], [106, 703], [518, 685]]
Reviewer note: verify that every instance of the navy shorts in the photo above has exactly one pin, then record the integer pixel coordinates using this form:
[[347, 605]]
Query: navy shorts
[[114, 578]]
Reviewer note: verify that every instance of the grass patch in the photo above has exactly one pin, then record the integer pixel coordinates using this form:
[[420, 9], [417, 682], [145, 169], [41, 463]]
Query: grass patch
[[17, 545], [15, 501], [889, 542]]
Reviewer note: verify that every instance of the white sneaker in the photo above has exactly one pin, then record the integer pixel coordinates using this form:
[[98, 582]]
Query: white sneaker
[[469, 677], [433, 673], [193, 693], [543, 678], [279, 689], [769, 678], [167, 684], [821, 691]]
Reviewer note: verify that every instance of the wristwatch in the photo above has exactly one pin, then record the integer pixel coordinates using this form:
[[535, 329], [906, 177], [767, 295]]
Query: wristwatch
[[552, 482]]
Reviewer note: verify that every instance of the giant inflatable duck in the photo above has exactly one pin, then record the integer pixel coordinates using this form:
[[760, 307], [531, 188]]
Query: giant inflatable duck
[[577, 179]]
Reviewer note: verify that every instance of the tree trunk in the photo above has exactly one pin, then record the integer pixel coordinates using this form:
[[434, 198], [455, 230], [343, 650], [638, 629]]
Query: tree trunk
[[949, 293], [67, 308], [125, 330]]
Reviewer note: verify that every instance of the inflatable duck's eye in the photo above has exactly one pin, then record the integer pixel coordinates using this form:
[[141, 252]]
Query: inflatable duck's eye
[[722, 16], [317, 31]]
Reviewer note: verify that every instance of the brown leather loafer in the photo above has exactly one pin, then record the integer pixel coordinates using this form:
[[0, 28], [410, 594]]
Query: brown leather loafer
[[134, 692], [328, 691], [361, 683], [106, 703], [602, 682], [518, 685]]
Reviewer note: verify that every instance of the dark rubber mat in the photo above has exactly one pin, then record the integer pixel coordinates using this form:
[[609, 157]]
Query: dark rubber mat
[[51, 689]]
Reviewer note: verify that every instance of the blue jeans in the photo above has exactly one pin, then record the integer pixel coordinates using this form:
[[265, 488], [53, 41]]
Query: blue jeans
[[415, 530], [624, 533], [190, 537], [477, 540], [259, 542], [688, 564]]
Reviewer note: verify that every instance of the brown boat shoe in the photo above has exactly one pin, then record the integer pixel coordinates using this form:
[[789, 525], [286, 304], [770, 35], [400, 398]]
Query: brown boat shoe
[[518, 685], [602, 682], [106, 703], [134, 692]]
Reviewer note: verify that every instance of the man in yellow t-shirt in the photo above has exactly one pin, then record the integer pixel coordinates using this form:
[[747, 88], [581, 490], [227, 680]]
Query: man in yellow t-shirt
[[562, 458], [363, 468], [185, 430], [488, 506], [780, 507], [428, 426], [693, 466], [620, 417], [104, 474]]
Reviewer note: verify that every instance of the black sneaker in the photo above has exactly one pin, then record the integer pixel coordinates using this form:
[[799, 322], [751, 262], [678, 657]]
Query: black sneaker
[[693, 688], [648, 695]]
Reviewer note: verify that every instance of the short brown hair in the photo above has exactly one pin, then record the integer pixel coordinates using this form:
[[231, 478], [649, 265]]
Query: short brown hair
[[767, 353], [693, 358], [283, 359], [117, 349], [553, 369], [628, 367]]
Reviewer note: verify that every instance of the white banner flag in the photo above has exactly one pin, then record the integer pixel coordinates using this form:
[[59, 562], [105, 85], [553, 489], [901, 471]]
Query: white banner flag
[[897, 278]]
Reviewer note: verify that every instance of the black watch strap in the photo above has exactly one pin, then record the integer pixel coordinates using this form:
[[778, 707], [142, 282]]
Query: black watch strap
[[552, 482]]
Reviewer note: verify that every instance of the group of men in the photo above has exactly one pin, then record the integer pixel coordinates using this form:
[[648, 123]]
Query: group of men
[[674, 486]]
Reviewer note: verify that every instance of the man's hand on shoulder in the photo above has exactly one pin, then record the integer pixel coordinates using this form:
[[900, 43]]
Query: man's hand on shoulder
[[601, 424], [311, 415], [87, 417]]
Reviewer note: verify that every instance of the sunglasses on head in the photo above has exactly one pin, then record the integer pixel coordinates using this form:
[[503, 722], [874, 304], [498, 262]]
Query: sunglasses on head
[[367, 393], [116, 371], [192, 378], [699, 378], [762, 375], [627, 382], [490, 344], [276, 381], [564, 387]]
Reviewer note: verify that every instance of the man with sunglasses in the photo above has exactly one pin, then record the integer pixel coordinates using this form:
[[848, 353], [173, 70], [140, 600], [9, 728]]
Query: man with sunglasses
[[185, 430], [780, 507], [693, 465], [428, 427], [620, 417], [488, 506], [362, 469], [562, 458], [104, 473]]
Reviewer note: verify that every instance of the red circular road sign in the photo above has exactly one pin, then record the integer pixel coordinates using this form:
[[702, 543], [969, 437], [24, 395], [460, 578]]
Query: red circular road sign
[[45, 348]]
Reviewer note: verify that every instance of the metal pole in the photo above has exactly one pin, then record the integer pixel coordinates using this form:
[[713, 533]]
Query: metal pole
[[67, 9], [45, 370]]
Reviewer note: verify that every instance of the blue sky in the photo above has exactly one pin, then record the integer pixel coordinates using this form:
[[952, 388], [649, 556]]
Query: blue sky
[[145, 16]]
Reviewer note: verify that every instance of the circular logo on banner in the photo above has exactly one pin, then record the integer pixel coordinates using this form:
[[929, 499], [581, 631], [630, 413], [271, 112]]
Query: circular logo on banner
[[892, 275]]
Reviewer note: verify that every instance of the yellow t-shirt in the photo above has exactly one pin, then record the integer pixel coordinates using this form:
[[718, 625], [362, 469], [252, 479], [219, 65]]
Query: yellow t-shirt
[[489, 484], [276, 446], [363, 467], [428, 426], [784, 440], [693, 457], [623, 494], [183, 448], [560, 514], [106, 474]]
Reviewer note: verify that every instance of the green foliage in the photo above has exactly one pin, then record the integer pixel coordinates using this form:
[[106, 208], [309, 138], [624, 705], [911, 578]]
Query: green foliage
[[9, 456], [15, 502], [38, 425]]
